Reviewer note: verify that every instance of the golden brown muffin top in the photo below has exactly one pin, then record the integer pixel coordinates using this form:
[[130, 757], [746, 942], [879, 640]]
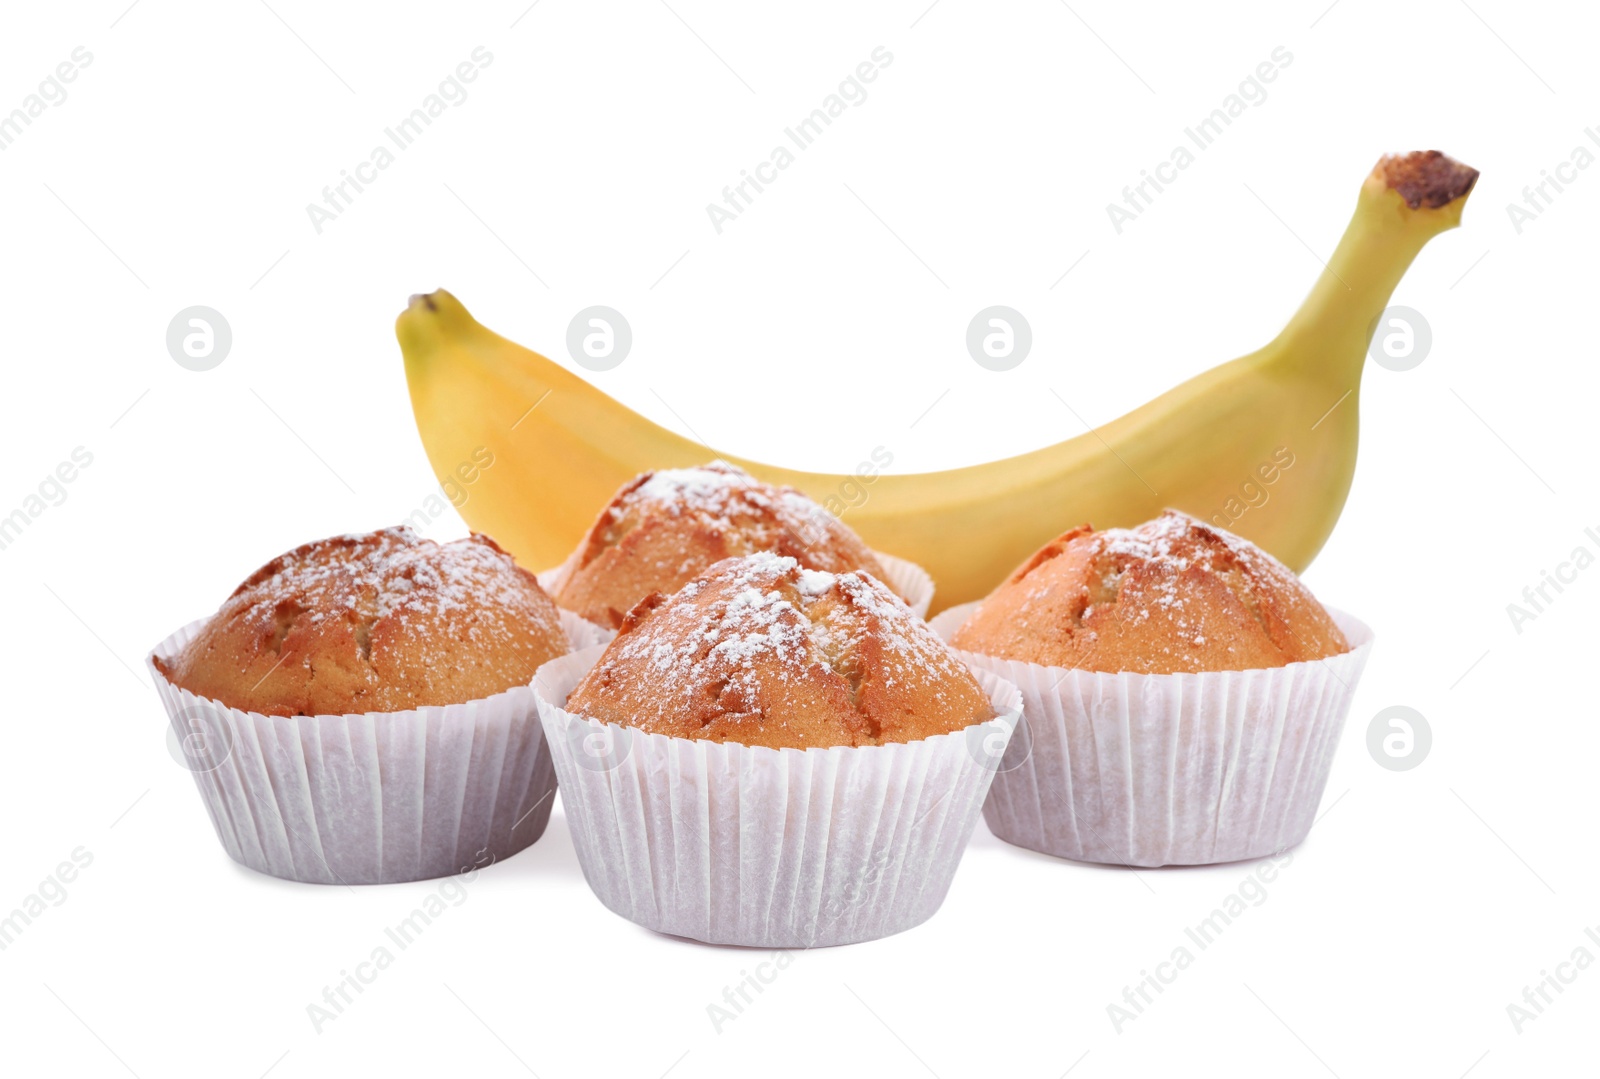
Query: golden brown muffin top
[[1170, 595], [762, 651], [667, 527], [378, 622]]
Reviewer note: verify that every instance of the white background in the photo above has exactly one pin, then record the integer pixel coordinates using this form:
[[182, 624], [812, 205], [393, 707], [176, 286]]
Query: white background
[[577, 172]]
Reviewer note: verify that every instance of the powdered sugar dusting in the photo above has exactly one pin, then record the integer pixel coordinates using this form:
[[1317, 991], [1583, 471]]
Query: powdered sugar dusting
[[722, 497], [395, 574], [1164, 584], [1171, 538], [1175, 543], [814, 583], [768, 618], [665, 528]]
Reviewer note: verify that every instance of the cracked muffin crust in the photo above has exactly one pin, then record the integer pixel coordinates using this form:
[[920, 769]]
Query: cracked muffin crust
[[1171, 595], [377, 622], [667, 527], [765, 652]]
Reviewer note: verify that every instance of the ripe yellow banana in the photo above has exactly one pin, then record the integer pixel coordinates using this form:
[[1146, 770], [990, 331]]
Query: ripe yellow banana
[[1265, 444]]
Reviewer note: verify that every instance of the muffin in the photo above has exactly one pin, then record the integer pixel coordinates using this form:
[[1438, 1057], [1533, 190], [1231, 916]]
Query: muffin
[[358, 711], [764, 652], [1183, 695], [773, 756], [667, 527], [1171, 595], [379, 622]]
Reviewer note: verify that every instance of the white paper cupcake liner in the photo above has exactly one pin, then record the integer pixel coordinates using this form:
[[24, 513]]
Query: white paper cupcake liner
[[374, 798], [549, 578], [907, 580], [773, 848], [1168, 769]]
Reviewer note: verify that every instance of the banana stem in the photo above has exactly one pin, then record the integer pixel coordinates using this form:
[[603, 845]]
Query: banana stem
[[1404, 203]]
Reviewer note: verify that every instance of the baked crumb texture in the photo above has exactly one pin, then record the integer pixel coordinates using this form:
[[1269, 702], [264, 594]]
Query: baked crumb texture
[[1171, 595], [763, 651], [665, 528], [378, 622]]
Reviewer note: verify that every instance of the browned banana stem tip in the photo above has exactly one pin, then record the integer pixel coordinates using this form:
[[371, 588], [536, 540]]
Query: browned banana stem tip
[[1427, 177]]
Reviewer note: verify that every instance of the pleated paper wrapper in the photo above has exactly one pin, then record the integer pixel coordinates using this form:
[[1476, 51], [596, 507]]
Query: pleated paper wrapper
[[1168, 769], [772, 848], [905, 579], [374, 798]]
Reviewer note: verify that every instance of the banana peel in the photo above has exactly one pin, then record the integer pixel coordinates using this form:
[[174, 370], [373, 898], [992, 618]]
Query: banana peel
[[1285, 417]]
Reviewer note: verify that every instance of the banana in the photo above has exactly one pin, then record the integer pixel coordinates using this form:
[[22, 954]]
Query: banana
[[1280, 422]]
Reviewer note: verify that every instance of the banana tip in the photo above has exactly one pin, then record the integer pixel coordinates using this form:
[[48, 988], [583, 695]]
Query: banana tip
[[427, 316]]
